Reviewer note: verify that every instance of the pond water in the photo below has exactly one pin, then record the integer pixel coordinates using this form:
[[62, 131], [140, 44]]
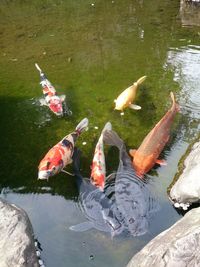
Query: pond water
[[91, 51]]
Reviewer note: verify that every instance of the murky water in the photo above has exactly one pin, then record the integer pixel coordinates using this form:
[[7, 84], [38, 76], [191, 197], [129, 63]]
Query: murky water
[[91, 53]]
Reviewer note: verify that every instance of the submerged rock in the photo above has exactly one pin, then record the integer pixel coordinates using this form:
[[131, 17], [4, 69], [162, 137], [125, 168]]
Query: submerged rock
[[190, 12], [178, 246], [186, 189], [16, 238]]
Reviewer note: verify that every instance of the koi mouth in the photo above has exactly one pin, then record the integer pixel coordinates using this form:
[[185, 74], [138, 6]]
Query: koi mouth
[[43, 175]]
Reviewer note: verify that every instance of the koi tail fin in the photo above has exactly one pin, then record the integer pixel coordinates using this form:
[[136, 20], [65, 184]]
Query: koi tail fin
[[174, 104], [38, 68], [42, 75], [111, 138], [107, 127], [82, 126], [141, 80]]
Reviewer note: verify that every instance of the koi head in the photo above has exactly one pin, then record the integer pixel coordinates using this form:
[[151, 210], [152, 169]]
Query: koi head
[[49, 167], [55, 105], [119, 105], [113, 223]]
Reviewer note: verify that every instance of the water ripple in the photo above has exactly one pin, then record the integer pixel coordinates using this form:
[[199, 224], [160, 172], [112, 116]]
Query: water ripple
[[184, 62]]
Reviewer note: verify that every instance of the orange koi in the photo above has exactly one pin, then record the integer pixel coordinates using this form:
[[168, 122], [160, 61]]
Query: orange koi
[[146, 156]]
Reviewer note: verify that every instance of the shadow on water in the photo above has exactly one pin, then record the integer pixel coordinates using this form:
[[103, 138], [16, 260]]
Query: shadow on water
[[23, 143]]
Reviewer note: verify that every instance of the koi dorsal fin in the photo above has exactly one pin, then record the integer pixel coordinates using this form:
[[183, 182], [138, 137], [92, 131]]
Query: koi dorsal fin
[[172, 97], [82, 125], [141, 80], [174, 104], [38, 68]]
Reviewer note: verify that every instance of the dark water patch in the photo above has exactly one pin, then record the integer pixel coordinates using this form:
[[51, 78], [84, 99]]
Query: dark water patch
[[24, 143]]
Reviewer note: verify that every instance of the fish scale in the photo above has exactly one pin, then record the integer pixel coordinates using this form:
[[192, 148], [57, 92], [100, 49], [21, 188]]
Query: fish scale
[[96, 206], [146, 156], [133, 196]]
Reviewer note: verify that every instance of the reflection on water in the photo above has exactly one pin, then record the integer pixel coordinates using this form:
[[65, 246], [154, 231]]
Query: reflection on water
[[53, 217], [184, 62]]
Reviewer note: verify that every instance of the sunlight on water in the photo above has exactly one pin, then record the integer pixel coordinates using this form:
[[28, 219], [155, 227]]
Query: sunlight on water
[[185, 64]]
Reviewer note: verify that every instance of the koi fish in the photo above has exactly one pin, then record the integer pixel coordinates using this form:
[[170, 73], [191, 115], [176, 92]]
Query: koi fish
[[96, 206], [59, 156], [146, 156], [98, 169], [127, 97], [134, 198], [52, 100]]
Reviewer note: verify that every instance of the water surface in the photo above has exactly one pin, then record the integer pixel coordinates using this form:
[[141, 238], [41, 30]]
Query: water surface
[[91, 53]]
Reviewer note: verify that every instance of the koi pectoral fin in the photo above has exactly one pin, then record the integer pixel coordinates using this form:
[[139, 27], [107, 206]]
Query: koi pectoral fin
[[43, 102], [135, 107], [132, 152], [70, 161], [68, 172], [81, 227], [62, 97], [161, 162]]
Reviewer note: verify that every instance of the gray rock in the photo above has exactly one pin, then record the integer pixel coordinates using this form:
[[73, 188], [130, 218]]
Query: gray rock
[[178, 246], [190, 12], [186, 190], [17, 247]]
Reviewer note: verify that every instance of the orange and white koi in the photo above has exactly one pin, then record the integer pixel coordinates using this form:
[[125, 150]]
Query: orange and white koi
[[127, 97], [52, 100], [59, 156], [98, 168], [146, 156]]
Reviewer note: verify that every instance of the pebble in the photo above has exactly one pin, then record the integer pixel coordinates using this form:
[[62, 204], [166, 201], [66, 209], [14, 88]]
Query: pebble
[[41, 262], [176, 205], [184, 206], [91, 257], [92, 4], [14, 59], [38, 253], [69, 59], [96, 127], [84, 143], [122, 113]]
